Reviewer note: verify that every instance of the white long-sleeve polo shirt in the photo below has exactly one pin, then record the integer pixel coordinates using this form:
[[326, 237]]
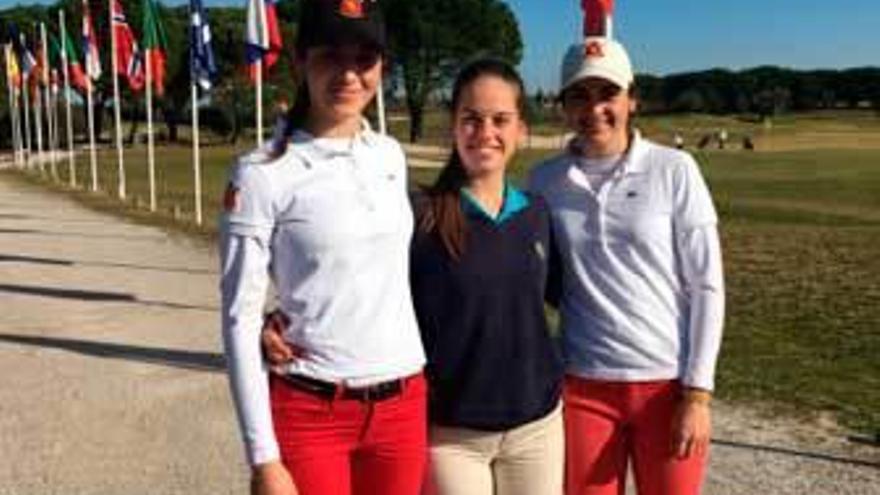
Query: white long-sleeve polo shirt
[[643, 287], [329, 223]]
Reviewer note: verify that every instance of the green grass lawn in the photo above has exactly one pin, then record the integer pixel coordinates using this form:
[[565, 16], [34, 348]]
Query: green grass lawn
[[801, 231]]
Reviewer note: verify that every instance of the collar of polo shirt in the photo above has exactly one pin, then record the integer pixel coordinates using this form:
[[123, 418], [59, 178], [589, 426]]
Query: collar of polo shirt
[[630, 162], [318, 148]]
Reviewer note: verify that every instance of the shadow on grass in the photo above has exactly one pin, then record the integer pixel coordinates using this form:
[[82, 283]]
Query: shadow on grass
[[191, 360], [96, 296]]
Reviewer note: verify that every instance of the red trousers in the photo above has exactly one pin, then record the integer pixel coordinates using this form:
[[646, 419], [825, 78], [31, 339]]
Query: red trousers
[[350, 447], [609, 424]]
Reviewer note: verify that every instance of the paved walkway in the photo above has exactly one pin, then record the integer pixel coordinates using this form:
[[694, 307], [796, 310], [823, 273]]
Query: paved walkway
[[112, 384], [109, 356]]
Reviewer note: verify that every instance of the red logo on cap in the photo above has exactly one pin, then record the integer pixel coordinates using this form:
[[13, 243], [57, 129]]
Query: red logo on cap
[[352, 8], [594, 49]]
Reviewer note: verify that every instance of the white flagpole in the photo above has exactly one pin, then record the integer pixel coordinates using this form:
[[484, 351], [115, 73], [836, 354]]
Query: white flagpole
[[50, 139], [608, 27], [15, 108], [259, 102], [150, 156], [19, 151], [91, 119], [25, 86], [38, 119], [380, 106], [120, 159], [11, 104], [70, 155], [197, 166], [56, 140]]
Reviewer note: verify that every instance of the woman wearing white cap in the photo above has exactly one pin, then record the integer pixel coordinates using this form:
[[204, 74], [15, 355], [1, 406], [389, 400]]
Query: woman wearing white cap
[[323, 213], [642, 304]]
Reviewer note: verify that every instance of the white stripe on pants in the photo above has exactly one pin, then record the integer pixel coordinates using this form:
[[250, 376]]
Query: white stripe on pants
[[526, 460]]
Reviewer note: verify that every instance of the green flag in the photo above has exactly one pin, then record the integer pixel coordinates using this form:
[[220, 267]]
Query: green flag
[[154, 43], [54, 60], [74, 69]]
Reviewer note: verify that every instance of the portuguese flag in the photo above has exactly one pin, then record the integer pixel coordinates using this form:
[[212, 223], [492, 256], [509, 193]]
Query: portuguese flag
[[74, 69], [154, 45]]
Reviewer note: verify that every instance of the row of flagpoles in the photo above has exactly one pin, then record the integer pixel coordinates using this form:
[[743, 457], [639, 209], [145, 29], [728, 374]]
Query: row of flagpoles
[[143, 68]]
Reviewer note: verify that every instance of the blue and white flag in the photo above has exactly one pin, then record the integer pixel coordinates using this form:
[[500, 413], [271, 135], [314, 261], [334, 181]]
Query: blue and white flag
[[26, 60], [202, 64]]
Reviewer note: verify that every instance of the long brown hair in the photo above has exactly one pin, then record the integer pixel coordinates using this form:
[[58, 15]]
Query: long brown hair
[[443, 213]]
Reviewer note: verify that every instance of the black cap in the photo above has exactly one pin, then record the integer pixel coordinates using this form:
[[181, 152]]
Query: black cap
[[340, 22]]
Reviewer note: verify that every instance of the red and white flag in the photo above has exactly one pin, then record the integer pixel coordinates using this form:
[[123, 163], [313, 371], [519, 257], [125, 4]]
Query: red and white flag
[[90, 45], [263, 35], [596, 15], [129, 61]]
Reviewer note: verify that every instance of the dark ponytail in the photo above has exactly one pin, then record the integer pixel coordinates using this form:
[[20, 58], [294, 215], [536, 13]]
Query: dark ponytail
[[295, 119], [443, 213]]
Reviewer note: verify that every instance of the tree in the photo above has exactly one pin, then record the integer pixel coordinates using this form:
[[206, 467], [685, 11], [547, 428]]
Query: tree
[[430, 39]]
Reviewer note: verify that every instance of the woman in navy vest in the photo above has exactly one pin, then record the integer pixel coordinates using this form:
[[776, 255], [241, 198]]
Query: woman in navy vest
[[481, 257]]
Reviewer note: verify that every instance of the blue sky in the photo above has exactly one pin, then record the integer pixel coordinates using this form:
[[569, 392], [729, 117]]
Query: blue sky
[[669, 36]]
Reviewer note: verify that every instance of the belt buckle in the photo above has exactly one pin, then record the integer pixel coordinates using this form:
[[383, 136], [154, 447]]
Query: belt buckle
[[369, 394], [379, 391]]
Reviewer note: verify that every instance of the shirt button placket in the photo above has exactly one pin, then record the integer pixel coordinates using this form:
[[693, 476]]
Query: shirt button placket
[[601, 205], [361, 183]]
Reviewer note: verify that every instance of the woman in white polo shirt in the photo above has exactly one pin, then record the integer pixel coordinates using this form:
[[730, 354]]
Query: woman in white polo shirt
[[323, 214], [642, 306]]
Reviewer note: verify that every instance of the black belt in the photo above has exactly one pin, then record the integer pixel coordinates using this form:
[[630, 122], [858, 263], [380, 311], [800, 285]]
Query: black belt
[[329, 390]]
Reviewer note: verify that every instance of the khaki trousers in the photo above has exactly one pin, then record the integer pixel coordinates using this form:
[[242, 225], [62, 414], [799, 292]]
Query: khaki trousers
[[526, 460]]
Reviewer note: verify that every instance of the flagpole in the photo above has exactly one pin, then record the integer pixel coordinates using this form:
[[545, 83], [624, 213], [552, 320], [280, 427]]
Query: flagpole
[[48, 106], [380, 106], [91, 118], [259, 102], [201, 70], [27, 120], [70, 155], [19, 150], [18, 111], [11, 104], [38, 119], [47, 91], [150, 157], [120, 160], [197, 172], [56, 140], [197, 165], [19, 156]]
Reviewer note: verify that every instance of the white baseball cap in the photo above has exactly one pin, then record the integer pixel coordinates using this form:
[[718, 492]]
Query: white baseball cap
[[599, 57]]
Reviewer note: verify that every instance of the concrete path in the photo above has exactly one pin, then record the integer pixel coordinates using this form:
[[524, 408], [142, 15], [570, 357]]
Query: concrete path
[[110, 366], [111, 376]]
